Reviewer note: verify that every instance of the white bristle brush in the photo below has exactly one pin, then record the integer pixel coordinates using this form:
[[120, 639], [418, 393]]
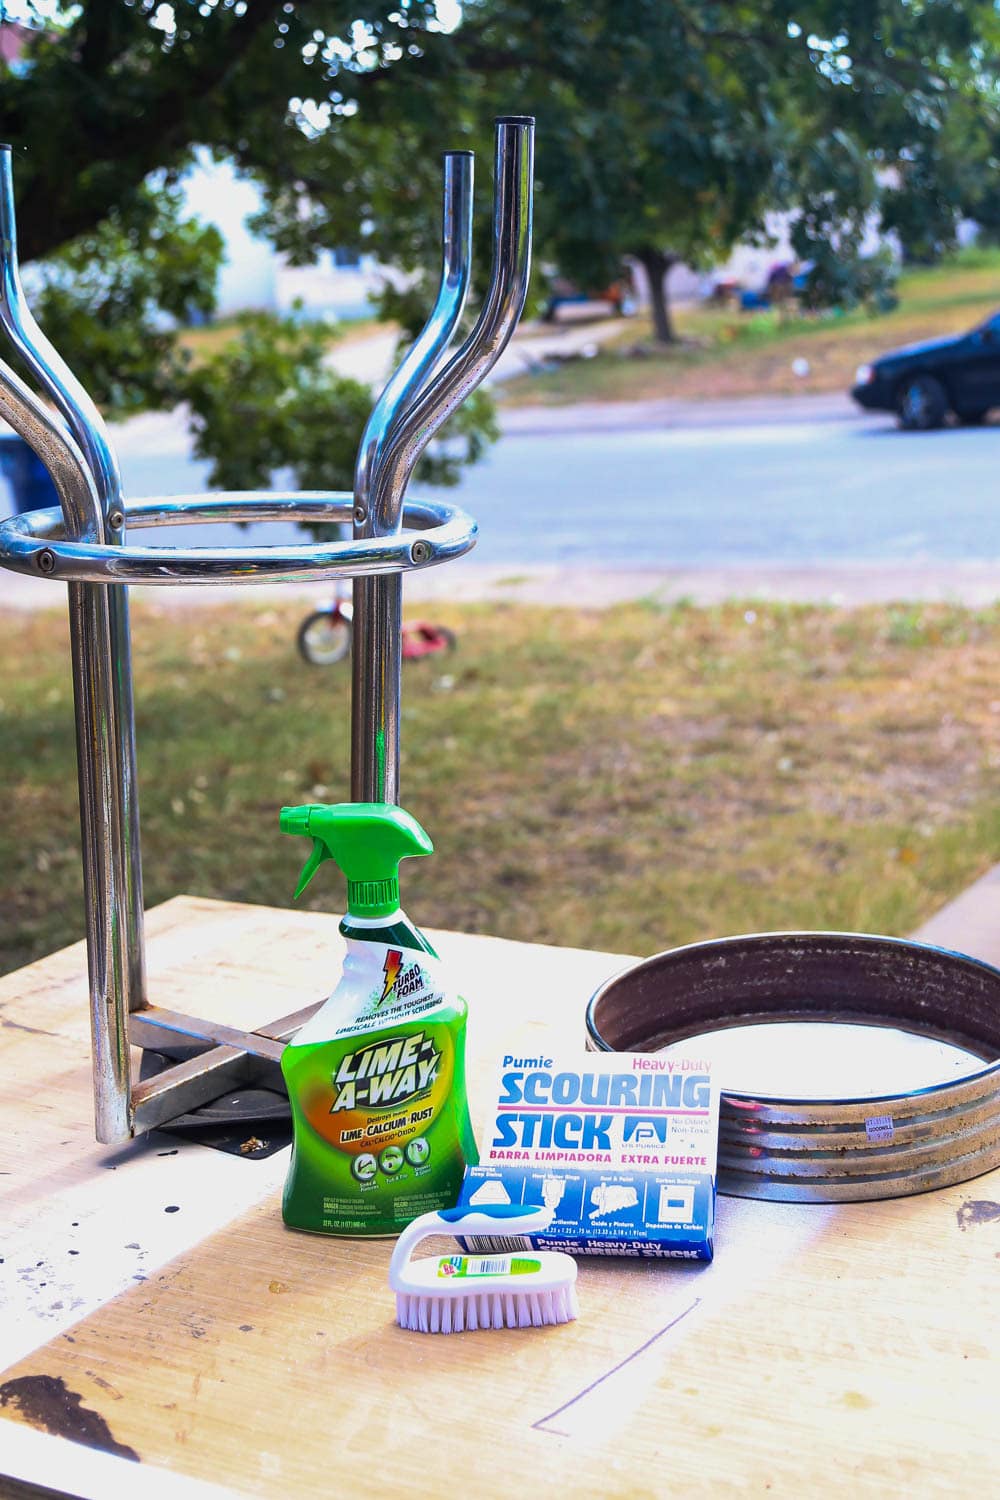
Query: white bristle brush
[[460, 1293]]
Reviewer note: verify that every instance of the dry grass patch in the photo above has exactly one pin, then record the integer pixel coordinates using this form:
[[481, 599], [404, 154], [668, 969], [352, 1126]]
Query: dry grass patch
[[725, 353], [623, 780]]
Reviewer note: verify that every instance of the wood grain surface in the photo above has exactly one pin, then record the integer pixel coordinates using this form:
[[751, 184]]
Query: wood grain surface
[[827, 1348]]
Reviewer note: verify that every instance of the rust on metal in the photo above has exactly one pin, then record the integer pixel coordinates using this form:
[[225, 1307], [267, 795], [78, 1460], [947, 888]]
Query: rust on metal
[[826, 1150]]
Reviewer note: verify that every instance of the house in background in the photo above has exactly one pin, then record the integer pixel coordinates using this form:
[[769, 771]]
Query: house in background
[[255, 275]]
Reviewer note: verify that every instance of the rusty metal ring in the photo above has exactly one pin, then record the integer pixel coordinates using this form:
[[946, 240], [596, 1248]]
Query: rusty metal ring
[[826, 1150]]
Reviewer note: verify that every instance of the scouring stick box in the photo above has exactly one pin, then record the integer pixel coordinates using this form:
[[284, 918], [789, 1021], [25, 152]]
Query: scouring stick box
[[621, 1145]]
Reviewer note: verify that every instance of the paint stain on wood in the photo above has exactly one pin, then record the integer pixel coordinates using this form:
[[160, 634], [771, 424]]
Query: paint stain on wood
[[856, 1401], [975, 1211], [46, 1401]]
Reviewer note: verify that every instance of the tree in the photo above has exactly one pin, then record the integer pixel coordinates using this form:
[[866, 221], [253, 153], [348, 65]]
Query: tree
[[951, 173], [657, 132], [106, 108], [106, 296], [667, 128], [899, 134]]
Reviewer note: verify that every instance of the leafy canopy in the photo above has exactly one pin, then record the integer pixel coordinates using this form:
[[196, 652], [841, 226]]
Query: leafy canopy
[[666, 130]]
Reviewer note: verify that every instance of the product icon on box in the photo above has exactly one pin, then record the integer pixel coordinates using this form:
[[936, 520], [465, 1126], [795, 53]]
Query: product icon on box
[[417, 1151]]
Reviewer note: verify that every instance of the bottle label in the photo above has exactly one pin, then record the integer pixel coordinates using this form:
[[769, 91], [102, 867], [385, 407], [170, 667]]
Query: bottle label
[[381, 1092], [400, 982], [376, 1082]]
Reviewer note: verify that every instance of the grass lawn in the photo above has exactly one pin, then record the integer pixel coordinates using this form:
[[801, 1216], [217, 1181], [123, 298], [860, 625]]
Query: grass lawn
[[726, 353], [212, 337], [621, 780]]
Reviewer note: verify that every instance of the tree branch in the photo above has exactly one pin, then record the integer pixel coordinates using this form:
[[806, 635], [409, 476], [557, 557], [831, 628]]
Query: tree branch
[[98, 29], [128, 154]]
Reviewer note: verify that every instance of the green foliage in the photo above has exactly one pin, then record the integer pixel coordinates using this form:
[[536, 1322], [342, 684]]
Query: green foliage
[[270, 402], [842, 278], [112, 98], [902, 128], [922, 210], [667, 128], [657, 132], [837, 189], [110, 92], [110, 299]]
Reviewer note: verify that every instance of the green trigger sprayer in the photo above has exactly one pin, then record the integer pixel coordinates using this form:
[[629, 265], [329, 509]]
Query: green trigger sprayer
[[367, 840], [382, 1129]]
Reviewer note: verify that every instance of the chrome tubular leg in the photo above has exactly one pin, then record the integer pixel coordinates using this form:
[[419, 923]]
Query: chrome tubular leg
[[377, 602], [376, 665], [377, 662], [86, 424], [98, 747], [105, 866]]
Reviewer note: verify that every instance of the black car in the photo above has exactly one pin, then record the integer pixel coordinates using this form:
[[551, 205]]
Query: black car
[[923, 382]]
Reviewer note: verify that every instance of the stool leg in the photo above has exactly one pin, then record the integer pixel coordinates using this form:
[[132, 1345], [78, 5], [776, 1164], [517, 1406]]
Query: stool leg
[[104, 510], [378, 601], [99, 763], [105, 865]]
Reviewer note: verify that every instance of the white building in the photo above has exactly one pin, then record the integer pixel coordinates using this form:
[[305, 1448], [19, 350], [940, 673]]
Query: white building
[[254, 274]]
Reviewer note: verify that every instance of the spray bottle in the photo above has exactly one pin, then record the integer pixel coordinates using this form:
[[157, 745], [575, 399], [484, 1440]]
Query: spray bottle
[[376, 1078]]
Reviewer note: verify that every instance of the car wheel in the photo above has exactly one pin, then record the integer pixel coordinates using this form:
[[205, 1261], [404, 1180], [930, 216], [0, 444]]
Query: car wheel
[[973, 418], [922, 403]]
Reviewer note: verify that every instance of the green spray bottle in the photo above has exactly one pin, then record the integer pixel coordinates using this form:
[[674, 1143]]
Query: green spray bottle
[[376, 1078]]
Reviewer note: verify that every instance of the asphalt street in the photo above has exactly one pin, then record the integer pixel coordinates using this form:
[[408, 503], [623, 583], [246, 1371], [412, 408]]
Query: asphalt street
[[797, 483], [802, 481], [779, 489]]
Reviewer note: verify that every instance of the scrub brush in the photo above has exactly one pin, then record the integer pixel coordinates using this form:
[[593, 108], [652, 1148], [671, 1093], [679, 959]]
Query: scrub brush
[[455, 1293]]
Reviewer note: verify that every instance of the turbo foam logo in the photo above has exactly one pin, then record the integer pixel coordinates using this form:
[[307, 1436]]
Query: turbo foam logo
[[391, 967]]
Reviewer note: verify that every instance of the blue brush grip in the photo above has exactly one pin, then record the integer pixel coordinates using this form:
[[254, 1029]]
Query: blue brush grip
[[490, 1210]]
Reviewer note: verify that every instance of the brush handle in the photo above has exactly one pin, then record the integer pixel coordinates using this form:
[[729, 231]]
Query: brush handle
[[489, 1218]]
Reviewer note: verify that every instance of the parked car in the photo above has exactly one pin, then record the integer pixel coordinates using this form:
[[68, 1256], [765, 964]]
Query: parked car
[[922, 383]]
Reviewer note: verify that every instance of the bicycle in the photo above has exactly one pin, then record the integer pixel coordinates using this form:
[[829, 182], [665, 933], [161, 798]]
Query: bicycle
[[324, 637]]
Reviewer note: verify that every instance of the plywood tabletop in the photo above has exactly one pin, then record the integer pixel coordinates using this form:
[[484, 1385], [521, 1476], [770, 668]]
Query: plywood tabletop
[[826, 1347]]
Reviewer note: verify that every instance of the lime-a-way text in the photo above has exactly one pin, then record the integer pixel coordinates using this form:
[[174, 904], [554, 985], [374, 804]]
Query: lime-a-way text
[[385, 1072]]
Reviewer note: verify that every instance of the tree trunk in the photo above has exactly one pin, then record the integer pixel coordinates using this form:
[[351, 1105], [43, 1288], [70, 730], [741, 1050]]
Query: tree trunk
[[657, 264]]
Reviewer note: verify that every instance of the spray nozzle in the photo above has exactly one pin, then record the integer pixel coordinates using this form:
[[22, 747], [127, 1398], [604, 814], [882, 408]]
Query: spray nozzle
[[367, 840]]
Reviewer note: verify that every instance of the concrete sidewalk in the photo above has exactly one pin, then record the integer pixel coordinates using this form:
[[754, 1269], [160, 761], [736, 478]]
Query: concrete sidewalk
[[641, 416], [847, 585], [372, 359]]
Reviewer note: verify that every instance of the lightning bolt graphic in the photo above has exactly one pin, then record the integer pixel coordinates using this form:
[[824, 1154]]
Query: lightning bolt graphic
[[393, 960]]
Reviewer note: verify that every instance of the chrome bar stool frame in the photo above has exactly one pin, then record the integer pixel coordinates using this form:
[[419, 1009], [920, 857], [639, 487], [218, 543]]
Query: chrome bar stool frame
[[83, 543]]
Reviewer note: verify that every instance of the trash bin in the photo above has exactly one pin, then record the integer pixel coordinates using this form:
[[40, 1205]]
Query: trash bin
[[28, 481]]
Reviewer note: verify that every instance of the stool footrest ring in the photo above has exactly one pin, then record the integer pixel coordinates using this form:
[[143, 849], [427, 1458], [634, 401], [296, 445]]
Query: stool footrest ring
[[33, 543]]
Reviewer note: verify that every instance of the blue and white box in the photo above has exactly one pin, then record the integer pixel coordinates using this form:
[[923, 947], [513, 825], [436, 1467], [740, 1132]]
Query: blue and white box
[[622, 1145]]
